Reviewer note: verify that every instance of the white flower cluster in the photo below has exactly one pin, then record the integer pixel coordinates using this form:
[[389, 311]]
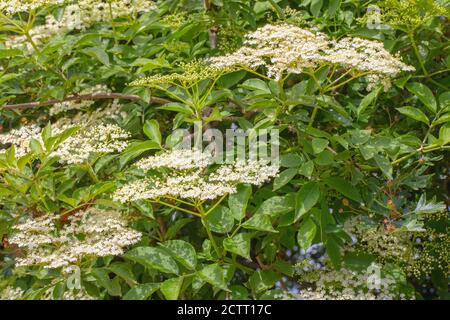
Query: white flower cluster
[[21, 138], [78, 15], [92, 138], [93, 232], [101, 138], [11, 7], [186, 177], [78, 105], [11, 293], [111, 113], [177, 159], [379, 241], [76, 295], [251, 171], [346, 284], [287, 48]]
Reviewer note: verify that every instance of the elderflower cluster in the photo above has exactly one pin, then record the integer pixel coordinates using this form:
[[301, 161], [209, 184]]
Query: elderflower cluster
[[90, 139], [188, 186], [76, 295], [288, 48], [177, 159], [77, 15], [186, 176], [345, 284], [254, 172], [377, 240], [101, 138], [58, 241], [78, 105], [21, 139], [11, 293], [111, 113], [11, 7]]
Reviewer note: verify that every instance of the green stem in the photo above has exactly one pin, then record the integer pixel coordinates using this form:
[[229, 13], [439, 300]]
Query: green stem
[[177, 208], [92, 173], [238, 265], [214, 206], [420, 150], [208, 230], [313, 116], [278, 10]]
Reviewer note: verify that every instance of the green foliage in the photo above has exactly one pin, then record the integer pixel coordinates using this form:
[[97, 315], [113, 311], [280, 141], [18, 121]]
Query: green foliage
[[345, 153]]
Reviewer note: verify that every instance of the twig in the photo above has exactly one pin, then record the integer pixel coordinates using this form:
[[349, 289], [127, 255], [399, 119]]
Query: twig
[[212, 32], [91, 96]]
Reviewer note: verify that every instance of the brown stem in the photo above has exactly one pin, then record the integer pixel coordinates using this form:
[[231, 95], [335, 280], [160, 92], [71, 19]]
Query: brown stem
[[212, 32], [91, 96]]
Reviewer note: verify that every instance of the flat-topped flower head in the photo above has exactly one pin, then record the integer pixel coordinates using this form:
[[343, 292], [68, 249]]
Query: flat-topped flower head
[[101, 138], [76, 15], [92, 232], [11, 7], [285, 48], [176, 159], [190, 176]]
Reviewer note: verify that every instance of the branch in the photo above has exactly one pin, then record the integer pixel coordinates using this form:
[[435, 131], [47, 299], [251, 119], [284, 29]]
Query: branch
[[81, 97]]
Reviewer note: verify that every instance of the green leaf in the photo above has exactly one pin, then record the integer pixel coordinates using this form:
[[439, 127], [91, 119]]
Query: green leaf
[[177, 107], [444, 133], [238, 201], [230, 79], [112, 286], [366, 101], [306, 233], [344, 187], [36, 146], [5, 192], [319, 145], [333, 7], [325, 158], [414, 113], [334, 252], [151, 130], [154, 258], [141, 291], [275, 206], [171, 288], [123, 270], [214, 275], [262, 280], [316, 5], [256, 85], [443, 119], [306, 198], [183, 252], [424, 94], [97, 53], [11, 156], [220, 220], [135, 149], [259, 222], [284, 177], [444, 101], [141, 146], [424, 207], [384, 164], [307, 169], [290, 160], [8, 53], [145, 207], [239, 244]]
